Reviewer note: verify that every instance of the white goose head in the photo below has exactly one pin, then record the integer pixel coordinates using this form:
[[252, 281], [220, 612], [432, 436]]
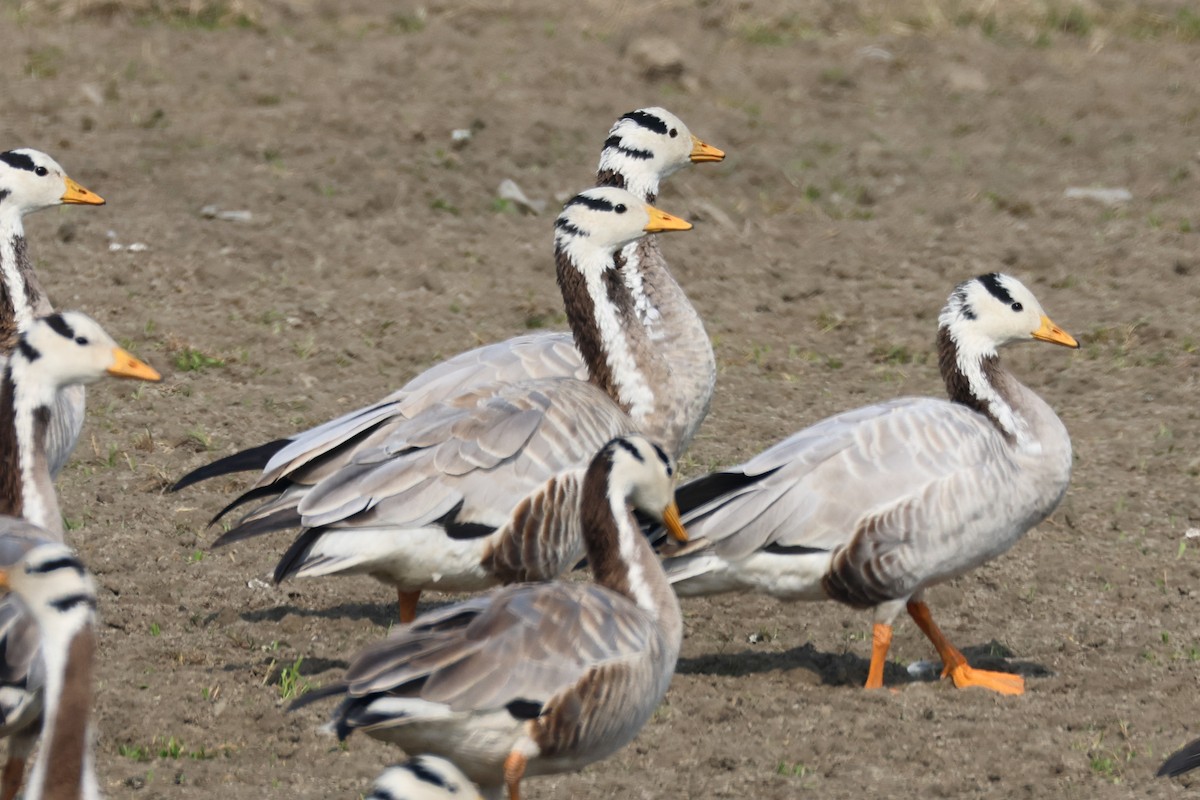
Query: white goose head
[[993, 310], [71, 348], [982, 315], [48, 577], [424, 777], [644, 475], [597, 223], [648, 145], [31, 180]]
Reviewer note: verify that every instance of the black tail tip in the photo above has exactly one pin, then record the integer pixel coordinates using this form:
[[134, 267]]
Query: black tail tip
[[1186, 759]]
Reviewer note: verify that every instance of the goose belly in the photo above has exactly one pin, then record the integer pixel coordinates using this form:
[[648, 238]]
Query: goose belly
[[413, 560], [785, 576], [477, 742]]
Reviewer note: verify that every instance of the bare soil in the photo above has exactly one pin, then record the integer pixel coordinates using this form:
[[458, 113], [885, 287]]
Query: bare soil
[[878, 154]]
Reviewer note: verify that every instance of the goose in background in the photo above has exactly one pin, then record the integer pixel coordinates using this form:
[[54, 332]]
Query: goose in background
[[540, 678], [418, 508], [54, 588], [56, 351], [423, 778], [873, 506], [643, 148], [31, 181]]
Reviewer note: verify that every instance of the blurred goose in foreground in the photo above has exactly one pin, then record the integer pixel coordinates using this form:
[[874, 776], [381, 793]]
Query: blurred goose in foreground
[[418, 508], [423, 778], [56, 351], [873, 506], [536, 678], [31, 181], [643, 148], [53, 587]]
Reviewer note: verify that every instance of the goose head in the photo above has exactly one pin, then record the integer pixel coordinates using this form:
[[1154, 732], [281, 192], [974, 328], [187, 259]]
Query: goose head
[[650, 144], [994, 310], [597, 223], [47, 575], [424, 777], [71, 348], [31, 180], [642, 474]]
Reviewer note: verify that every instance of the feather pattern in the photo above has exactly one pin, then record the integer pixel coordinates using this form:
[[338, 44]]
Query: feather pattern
[[561, 674]]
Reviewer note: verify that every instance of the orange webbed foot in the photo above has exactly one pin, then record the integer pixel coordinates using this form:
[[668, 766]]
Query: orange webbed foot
[[1003, 682]]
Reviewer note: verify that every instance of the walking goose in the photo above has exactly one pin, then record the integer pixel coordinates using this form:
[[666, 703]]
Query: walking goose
[[542, 678], [31, 181], [423, 778], [56, 351], [417, 508], [643, 148], [872, 506], [52, 585]]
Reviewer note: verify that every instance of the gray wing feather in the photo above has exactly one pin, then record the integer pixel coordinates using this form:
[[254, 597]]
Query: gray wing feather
[[525, 642], [66, 422]]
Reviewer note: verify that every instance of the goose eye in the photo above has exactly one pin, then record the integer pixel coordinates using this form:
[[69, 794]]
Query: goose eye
[[673, 133], [620, 208], [81, 340], [40, 171], [1018, 307]]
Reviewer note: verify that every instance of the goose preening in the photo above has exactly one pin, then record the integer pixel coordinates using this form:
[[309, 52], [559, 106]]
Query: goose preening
[[31, 181], [418, 508], [53, 587], [423, 778], [643, 148], [872, 506], [534, 679], [56, 351]]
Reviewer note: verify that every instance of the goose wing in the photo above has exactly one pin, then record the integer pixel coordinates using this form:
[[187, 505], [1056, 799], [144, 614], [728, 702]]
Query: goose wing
[[519, 645], [466, 461], [915, 471]]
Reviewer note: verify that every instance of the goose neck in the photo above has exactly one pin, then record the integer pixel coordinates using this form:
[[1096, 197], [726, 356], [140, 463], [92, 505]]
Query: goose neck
[[975, 378], [64, 767], [26, 488]]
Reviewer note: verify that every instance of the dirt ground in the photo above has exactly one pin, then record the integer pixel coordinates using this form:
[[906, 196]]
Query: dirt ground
[[878, 154]]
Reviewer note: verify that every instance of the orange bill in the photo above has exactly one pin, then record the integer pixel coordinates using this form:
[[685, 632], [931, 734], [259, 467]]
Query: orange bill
[[1049, 332], [125, 365], [662, 221], [77, 195], [673, 523], [702, 152]]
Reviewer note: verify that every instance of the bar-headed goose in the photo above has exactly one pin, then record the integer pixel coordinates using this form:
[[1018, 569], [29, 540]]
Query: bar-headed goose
[[53, 587], [423, 778], [56, 351], [535, 679], [872, 506], [31, 181], [418, 508], [643, 148]]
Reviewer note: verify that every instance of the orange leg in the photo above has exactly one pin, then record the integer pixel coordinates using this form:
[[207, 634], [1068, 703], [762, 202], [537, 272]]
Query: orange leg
[[14, 775], [408, 606], [514, 769], [881, 641], [955, 663]]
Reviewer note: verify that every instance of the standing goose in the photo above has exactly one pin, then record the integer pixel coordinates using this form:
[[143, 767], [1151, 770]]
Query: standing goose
[[53, 587], [872, 506], [536, 679], [423, 778], [417, 509], [56, 351], [31, 181], [643, 148]]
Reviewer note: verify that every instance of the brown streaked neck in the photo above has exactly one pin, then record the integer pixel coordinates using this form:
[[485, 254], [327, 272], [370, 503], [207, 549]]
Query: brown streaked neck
[[65, 734], [979, 385], [21, 295], [26, 488]]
